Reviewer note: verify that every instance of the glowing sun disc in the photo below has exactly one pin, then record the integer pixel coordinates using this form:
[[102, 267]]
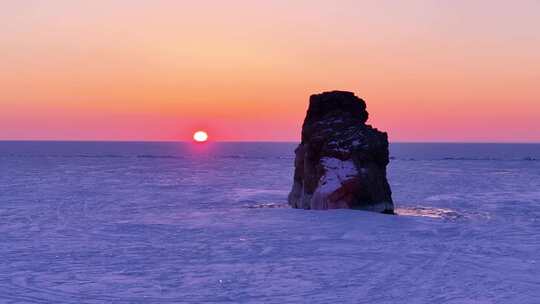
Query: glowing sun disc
[[200, 136]]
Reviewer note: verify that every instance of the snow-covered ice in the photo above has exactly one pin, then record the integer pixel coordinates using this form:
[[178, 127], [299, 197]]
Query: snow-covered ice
[[178, 223]]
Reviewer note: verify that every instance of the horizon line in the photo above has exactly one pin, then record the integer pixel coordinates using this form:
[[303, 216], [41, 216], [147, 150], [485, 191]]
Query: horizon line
[[255, 141]]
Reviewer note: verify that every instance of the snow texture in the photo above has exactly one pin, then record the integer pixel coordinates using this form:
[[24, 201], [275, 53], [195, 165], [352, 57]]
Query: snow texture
[[181, 223]]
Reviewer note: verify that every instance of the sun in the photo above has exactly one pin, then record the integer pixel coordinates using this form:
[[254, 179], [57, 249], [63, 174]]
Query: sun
[[200, 136]]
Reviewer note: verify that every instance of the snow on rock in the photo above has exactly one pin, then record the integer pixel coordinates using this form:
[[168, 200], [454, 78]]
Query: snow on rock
[[338, 174]]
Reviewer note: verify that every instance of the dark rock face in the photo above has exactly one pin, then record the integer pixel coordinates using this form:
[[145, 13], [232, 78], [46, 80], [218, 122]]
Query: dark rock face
[[341, 162]]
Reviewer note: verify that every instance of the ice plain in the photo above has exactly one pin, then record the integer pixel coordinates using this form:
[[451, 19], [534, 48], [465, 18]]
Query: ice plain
[[176, 223]]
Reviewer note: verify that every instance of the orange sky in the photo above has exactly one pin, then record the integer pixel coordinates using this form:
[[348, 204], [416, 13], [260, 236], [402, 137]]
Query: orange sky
[[243, 70]]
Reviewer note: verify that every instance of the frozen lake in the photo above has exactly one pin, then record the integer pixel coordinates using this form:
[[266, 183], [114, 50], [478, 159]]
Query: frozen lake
[[182, 223]]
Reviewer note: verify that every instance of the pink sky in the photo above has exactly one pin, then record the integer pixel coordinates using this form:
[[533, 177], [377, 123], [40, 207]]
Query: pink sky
[[244, 70]]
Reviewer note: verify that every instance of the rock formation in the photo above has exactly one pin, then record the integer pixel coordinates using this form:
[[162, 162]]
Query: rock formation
[[341, 161]]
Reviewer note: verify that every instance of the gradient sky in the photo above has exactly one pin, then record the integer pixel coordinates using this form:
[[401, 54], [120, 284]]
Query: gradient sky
[[243, 70]]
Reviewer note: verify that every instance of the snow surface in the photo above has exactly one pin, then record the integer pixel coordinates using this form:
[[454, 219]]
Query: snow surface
[[176, 223]]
